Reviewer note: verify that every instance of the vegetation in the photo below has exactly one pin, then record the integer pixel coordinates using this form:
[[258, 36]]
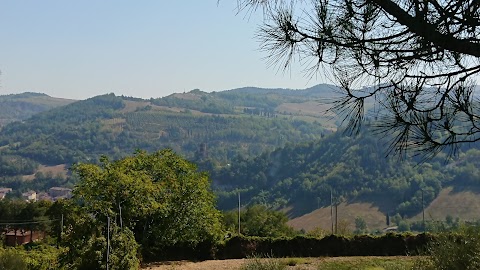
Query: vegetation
[[451, 251], [157, 200], [421, 56], [116, 126], [352, 168], [18, 107], [258, 220], [263, 264]]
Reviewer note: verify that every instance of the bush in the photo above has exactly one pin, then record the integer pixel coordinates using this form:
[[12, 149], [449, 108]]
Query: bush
[[10, 259], [453, 251]]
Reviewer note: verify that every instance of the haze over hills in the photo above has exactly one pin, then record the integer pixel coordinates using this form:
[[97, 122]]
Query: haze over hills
[[274, 146], [17, 107]]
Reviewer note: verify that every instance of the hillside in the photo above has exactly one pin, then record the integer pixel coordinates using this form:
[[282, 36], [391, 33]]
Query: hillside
[[17, 107], [459, 202], [271, 145], [209, 128], [301, 177], [347, 212]]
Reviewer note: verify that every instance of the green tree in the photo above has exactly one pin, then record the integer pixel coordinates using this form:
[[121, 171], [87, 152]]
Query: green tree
[[258, 220], [160, 197], [422, 57], [360, 225]]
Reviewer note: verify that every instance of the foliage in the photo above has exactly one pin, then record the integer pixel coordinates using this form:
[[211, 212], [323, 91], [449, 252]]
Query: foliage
[[12, 260], [350, 167], [32, 256], [258, 220], [421, 56], [41, 256], [92, 254], [161, 197], [35, 212], [360, 225], [263, 264], [454, 251], [331, 245], [318, 232], [106, 125]]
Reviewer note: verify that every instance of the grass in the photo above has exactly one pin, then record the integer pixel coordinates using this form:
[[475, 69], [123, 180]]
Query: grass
[[374, 218], [463, 204], [338, 263], [365, 263], [264, 264]]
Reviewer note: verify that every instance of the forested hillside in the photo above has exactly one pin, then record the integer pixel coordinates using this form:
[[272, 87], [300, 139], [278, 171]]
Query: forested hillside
[[273, 145], [352, 168], [208, 128]]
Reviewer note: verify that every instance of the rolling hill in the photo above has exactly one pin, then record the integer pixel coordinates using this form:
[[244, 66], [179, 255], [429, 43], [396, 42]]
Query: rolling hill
[[274, 146], [18, 107], [209, 128]]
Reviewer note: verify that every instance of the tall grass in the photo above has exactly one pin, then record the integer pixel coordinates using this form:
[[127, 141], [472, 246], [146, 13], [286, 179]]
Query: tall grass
[[264, 264]]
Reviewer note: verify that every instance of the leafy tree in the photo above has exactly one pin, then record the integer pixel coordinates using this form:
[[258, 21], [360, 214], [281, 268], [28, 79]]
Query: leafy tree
[[360, 225], [161, 197], [258, 220], [422, 57]]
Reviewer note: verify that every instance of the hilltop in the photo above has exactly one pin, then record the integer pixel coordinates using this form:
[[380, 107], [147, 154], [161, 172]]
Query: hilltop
[[18, 107]]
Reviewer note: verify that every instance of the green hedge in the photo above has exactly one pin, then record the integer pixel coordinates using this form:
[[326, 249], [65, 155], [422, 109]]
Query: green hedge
[[299, 246]]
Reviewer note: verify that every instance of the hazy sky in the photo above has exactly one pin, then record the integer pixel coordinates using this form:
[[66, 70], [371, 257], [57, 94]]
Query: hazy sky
[[149, 48]]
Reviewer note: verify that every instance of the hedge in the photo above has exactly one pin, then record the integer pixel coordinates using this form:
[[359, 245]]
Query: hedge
[[300, 246]]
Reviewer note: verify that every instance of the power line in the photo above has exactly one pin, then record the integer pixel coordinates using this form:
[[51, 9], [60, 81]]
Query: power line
[[30, 222]]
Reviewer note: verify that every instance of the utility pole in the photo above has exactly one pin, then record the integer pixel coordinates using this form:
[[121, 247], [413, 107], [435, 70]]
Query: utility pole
[[336, 218], [108, 240], [423, 213], [239, 213], [331, 208]]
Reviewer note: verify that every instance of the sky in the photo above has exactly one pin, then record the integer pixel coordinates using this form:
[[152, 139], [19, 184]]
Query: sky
[[149, 48]]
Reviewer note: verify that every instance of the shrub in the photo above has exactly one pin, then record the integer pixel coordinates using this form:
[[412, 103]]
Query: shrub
[[10, 259], [453, 251]]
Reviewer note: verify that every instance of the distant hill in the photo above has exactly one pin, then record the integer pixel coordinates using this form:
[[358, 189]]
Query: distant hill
[[17, 107], [277, 147], [209, 128], [300, 178]]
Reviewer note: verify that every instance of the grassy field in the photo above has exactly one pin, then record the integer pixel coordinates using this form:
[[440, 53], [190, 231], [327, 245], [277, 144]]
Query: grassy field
[[335, 263], [455, 202], [347, 212], [458, 202]]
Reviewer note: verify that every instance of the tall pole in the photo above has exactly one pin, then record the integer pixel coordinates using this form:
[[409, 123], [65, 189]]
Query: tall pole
[[336, 218], [239, 213], [331, 208], [108, 240], [423, 213]]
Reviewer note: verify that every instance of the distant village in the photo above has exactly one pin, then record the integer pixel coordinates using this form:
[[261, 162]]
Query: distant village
[[53, 194]]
